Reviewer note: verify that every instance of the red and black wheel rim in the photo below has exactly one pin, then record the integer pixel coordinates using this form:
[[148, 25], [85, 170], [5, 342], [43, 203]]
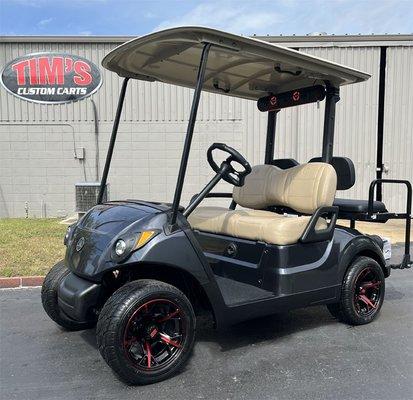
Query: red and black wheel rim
[[368, 292], [155, 334]]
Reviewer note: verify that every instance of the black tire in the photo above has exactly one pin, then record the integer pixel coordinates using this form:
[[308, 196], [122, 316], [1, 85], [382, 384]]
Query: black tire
[[360, 302], [125, 310], [49, 299]]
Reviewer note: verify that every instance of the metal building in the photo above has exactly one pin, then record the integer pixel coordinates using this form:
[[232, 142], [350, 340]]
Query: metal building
[[46, 149]]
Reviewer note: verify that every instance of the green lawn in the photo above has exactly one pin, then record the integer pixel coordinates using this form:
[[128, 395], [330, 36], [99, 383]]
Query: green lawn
[[30, 246]]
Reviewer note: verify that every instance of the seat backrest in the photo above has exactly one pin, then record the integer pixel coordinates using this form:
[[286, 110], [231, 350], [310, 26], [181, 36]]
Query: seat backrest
[[303, 188], [346, 174]]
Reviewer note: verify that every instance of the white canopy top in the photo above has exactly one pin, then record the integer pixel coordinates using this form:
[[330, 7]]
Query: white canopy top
[[237, 66]]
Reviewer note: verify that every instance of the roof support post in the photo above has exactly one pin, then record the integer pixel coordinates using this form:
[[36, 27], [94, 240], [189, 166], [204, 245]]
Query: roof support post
[[112, 140], [270, 141], [190, 131], [380, 121], [332, 97]]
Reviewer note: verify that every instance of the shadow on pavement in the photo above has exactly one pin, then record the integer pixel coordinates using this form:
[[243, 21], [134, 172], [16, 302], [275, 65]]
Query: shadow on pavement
[[270, 328]]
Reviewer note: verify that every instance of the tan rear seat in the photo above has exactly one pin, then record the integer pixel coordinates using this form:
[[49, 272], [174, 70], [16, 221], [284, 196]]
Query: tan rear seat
[[303, 188]]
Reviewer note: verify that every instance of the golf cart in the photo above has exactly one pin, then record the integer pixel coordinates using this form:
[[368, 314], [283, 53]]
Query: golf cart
[[142, 270]]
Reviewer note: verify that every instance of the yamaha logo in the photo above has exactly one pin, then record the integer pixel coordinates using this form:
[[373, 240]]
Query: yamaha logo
[[80, 243]]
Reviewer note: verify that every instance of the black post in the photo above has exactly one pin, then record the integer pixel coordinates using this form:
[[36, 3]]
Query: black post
[[380, 122], [332, 97], [269, 144], [190, 131], [112, 140]]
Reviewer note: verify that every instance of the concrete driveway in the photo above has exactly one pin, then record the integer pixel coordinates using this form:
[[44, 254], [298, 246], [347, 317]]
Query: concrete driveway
[[303, 354]]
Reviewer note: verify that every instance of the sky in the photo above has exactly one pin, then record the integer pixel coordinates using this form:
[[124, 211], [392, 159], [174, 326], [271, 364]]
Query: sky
[[247, 17]]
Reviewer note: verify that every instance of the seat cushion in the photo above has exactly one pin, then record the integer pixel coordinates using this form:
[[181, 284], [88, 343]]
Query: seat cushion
[[264, 226], [359, 206]]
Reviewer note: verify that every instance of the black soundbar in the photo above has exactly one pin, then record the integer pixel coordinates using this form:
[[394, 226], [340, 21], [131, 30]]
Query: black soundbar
[[292, 98]]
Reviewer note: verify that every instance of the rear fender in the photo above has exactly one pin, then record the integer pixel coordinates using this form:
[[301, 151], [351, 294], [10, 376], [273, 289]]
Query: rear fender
[[361, 246]]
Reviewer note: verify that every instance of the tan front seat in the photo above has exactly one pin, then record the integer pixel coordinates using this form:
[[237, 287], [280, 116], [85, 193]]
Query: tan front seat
[[303, 188]]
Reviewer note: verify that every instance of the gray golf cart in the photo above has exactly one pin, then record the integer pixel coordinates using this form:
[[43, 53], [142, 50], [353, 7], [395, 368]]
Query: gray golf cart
[[143, 270]]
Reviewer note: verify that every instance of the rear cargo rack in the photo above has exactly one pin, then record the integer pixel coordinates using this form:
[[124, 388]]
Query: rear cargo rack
[[383, 217]]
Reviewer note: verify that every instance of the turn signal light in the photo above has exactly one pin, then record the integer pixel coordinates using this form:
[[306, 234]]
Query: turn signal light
[[144, 238]]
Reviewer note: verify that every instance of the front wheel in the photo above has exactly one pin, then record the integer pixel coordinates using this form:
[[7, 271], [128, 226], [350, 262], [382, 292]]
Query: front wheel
[[362, 293], [146, 331]]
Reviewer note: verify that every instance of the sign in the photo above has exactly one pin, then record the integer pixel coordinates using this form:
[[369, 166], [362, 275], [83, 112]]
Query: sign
[[296, 97], [51, 78]]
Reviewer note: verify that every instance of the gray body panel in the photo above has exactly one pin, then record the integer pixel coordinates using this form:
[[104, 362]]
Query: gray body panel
[[256, 279]]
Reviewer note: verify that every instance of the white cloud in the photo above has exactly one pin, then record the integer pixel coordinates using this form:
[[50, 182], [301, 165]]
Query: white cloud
[[85, 33], [235, 17], [26, 3], [349, 16], [299, 16], [41, 3], [380, 16], [44, 22]]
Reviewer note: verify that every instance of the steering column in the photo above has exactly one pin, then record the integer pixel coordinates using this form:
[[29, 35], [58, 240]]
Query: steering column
[[225, 171]]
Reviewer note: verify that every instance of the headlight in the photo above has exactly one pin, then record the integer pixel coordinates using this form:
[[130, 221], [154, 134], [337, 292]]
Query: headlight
[[123, 247], [120, 247]]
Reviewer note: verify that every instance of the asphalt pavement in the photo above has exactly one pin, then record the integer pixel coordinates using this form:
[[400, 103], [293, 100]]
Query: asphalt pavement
[[304, 354]]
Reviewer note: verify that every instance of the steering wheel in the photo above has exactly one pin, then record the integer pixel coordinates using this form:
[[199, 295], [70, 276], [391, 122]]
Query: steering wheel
[[226, 170]]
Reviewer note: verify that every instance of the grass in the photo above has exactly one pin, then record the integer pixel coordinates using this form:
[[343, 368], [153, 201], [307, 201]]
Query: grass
[[30, 246], [33, 246]]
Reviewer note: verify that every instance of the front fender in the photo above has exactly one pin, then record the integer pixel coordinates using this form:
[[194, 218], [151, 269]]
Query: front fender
[[174, 250], [177, 251]]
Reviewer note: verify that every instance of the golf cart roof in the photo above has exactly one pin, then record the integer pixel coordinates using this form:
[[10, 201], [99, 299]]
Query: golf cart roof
[[237, 66]]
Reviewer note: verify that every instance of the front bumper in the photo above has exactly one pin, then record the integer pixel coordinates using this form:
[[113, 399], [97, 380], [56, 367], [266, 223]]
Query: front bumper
[[78, 297]]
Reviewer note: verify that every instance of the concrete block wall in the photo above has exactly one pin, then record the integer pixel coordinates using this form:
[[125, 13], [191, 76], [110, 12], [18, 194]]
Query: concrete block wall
[[38, 168]]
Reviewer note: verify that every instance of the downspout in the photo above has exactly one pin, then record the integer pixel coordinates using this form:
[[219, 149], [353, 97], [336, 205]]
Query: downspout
[[96, 120]]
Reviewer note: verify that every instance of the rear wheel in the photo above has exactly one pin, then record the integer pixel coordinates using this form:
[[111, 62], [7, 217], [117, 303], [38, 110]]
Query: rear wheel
[[146, 331], [49, 299], [362, 293]]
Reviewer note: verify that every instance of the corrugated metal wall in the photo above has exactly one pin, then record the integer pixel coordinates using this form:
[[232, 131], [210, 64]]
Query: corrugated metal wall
[[356, 117], [300, 130], [151, 136], [146, 101], [398, 123]]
